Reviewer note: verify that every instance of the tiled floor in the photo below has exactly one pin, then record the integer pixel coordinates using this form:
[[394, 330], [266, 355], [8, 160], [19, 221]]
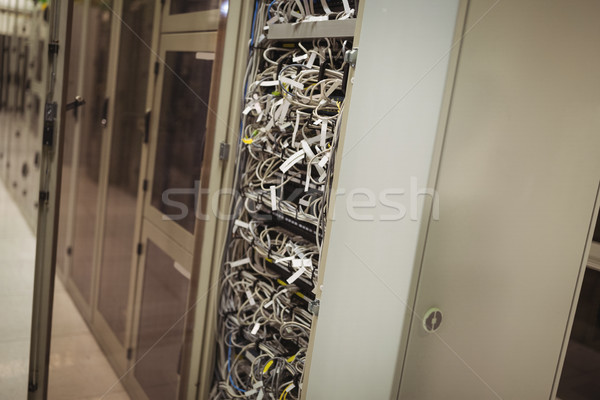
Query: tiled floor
[[78, 368], [17, 255]]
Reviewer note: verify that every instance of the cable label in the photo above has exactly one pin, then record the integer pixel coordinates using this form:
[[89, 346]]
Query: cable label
[[294, 158], [291, 82], [242, 224], [237, 263], [296, 275], [273, 198], [250, 297]]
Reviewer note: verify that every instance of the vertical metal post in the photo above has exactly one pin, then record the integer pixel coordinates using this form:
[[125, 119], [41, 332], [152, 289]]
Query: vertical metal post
[[60, 12]]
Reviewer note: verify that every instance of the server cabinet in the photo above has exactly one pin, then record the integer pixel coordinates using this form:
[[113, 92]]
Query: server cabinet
[[515, 177], [182, 107], [518, 183], [158, 89], [36, 97], [121, 186]]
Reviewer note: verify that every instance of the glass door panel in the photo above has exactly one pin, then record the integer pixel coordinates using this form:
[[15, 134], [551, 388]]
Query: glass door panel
[[191, 15], [188, 6], [162, 319], [94, 90], [68, 137], [124, 169], [181, 135]]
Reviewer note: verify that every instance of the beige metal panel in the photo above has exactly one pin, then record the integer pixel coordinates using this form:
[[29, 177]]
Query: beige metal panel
[[397, 98], [312, 30], [517, 187], [60, 28]]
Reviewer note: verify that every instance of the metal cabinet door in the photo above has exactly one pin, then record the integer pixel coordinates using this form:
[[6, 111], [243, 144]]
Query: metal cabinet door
[[160, 317], [87, 152], [121, 190], [178, 133], [517, 187]]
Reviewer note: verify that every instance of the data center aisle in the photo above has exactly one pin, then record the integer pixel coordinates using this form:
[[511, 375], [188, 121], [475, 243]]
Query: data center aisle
[[17, 256], [78, 368]]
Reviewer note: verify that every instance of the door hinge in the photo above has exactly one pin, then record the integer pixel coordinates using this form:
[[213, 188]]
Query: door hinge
[[147, 126], [49, 118], [224, 151], [129, 353], [139, 249], [145, 185]]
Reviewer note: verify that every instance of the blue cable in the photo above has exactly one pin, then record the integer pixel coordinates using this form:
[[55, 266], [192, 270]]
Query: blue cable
[[269, 10], [229, 367], [253, 23]]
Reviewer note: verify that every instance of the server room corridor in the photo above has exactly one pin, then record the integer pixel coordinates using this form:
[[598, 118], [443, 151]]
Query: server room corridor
[[17, 256], [78, 368]]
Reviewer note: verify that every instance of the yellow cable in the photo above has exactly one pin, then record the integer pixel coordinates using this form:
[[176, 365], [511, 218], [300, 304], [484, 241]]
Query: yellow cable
[[267, 366], [282, 283], [285, 392]]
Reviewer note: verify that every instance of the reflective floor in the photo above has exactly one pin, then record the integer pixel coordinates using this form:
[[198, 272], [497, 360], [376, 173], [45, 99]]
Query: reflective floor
[[78, 368], [17, 256]]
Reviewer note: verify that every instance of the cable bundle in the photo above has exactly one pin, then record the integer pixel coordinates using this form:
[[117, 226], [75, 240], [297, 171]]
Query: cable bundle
[[289, 132], [285, 11]]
